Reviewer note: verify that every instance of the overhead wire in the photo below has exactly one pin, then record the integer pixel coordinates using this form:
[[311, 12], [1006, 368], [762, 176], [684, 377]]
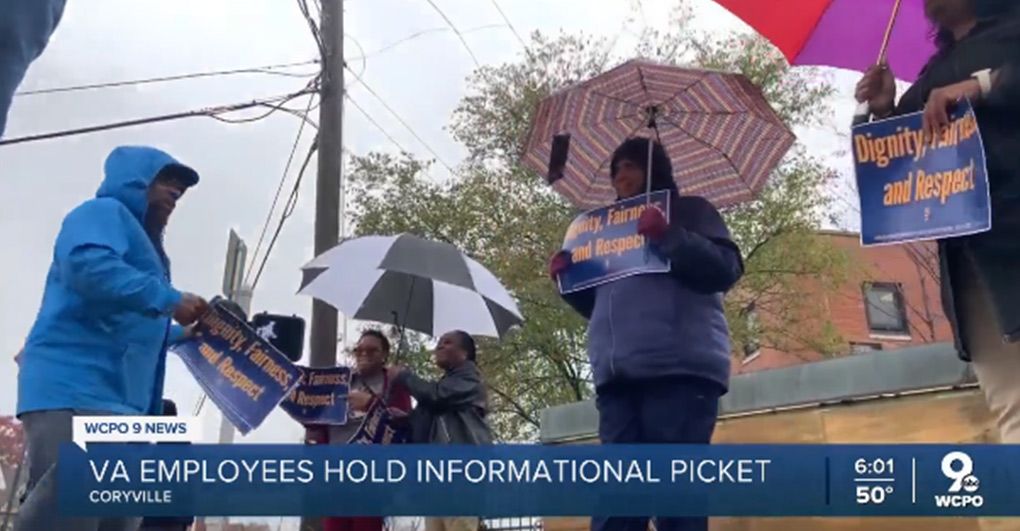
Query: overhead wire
[[362, 57], [288, 210], [312, 87], [455, 31], [314, 28], [275, 102], [402, 121], [376, 124], [292, 200], [268, 69], [511, 26], [279, 190], [422, 33]]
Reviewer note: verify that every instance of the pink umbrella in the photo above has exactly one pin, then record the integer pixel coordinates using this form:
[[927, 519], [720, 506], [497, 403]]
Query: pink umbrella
[[851, 34]]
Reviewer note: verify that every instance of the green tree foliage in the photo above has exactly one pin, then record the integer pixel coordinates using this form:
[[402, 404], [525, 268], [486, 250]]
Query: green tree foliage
[[509, 220]]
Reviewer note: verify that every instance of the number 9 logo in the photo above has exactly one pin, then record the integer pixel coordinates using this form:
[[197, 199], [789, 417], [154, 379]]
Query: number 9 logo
[[958, 475]]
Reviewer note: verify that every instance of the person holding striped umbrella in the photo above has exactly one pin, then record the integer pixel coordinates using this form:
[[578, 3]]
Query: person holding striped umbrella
[[658, 343]]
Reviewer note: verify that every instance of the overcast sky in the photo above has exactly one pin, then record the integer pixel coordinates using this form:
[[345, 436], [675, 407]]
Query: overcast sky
[[108, 40]]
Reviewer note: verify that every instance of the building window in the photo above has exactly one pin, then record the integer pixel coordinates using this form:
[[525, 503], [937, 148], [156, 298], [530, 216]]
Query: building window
[[862, 348], [885, 309], [752, 341]]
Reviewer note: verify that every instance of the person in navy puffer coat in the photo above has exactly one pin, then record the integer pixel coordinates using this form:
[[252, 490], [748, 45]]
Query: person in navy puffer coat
[[659, 343]]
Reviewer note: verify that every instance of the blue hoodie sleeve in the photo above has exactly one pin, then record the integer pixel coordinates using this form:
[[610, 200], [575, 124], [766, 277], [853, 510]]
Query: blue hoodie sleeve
[[90, 253], [698, 243]]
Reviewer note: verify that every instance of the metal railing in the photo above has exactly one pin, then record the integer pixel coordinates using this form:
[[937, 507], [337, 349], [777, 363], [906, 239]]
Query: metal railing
[[517, 523]]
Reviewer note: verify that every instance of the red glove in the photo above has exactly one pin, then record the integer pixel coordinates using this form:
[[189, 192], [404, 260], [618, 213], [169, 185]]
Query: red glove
[[652, 224], [558, 264]]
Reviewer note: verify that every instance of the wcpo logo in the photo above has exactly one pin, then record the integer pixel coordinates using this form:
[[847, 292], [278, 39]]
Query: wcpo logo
[[958, 467]]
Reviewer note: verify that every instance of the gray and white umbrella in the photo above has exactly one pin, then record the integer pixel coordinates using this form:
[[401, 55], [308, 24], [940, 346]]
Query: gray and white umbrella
[[427, 286]]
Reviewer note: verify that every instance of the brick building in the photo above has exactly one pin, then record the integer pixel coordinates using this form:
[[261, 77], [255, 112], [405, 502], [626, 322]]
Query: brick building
[[889, 300]]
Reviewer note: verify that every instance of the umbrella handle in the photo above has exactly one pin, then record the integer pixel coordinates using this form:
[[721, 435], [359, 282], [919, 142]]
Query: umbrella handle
[[884, 49], [863, 112], [648, 187]]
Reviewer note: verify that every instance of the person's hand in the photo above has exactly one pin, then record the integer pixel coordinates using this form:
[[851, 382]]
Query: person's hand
[[315, 434], [359, 400], [652, 224], [189, 309], [878, 88], [941, 100], [558, 264], [398, 416]]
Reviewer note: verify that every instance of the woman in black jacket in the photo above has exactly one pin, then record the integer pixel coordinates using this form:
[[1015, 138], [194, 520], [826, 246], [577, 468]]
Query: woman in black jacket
[[978, 59]]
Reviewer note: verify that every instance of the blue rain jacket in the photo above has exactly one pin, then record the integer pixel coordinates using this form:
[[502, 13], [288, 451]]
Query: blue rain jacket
[[99, 340]]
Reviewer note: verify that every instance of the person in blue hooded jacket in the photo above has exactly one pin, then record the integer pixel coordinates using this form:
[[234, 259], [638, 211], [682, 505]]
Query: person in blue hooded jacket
[[659, 343], [98, 345]]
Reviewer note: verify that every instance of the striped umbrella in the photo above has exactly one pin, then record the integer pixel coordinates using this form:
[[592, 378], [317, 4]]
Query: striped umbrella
[[722, 136], [411, 282]]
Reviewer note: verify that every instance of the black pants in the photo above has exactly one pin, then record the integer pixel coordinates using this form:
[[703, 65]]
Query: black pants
[[660, 411]]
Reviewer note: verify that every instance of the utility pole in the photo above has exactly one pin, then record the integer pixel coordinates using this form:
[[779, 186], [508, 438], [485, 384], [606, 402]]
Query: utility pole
[[328, 186]]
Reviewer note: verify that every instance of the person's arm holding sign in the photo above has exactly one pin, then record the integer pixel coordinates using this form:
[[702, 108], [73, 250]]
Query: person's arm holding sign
[[997, 87], [697, 243], [359, 400], [582, 301]]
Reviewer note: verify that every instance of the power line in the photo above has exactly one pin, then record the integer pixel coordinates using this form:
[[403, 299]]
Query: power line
[[302, 115], [279, 189], [268, 69], [511, 26], [402, 121], [314, 28], [275, 102], [288, 209], [456, 31], [422, 33], [362, 57], [376, 124]]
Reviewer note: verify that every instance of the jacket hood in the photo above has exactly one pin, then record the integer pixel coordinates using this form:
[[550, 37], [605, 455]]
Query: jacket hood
[[636, 151], [130, 170]]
